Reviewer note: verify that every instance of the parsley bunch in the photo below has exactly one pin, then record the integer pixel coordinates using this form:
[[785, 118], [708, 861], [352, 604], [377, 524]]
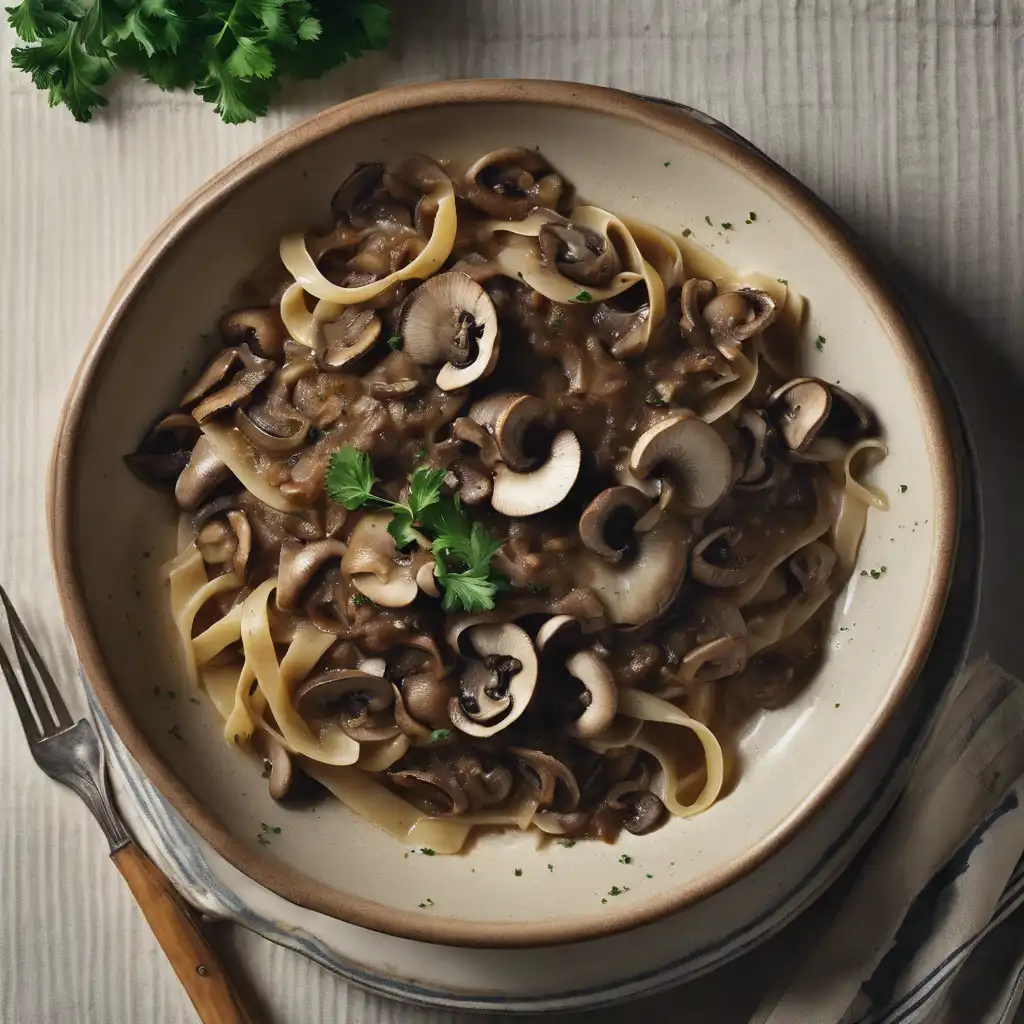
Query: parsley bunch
[[233, 53], [350, 480]]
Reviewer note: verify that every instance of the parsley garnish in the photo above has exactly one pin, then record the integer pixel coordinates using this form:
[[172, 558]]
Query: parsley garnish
[[426, 851], [753, 217], [232, 53], [176, 732], [687, 232], [709, 222], [782, 280], [727, 225], [395, 342], [557, 323], [428, 902], [518, 872], [350, 480], [440, 734], [266, 831], [819, 342], [903, 488], [668, 163], [360, 599], [567, 843], [625, 859], [583, 296]]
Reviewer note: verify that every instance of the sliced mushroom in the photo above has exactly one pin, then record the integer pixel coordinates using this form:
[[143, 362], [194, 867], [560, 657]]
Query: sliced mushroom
[[164, 450], [375, 566], [645, 812], [514, 420], [758, 463], [277, 763], [485, 785], [715, 561], [360, 197], [299, 563], [625, 332], [450, 319], [717, 659], [426, 579], [799, 409], [640, 588], [496, 689], [557, 632], [255, 371], [342, 693], [578, 253], [437, 789], [692, 451], [526, 494], [204, 472], [260, 327], [508, 183], [348, 337], [608, 522], [270, 443], [543, 773], [735, 317], [600, 698]]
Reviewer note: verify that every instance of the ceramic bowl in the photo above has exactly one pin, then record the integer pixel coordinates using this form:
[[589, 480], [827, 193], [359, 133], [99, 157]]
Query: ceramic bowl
[[109, 534]]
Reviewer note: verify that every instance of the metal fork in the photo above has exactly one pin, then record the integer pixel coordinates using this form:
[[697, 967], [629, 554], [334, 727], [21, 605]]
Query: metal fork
[[71, 753]]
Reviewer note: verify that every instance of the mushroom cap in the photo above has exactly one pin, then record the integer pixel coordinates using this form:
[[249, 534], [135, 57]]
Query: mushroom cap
[[715, 563], [614, 510], [348, 337], [557, 630], [526, 494], [511, 181], [735, 317], [603, 695], [717, 659], [637, 590], [204, 472], [315, 696], [270, 443], [443, 320], [508, 416], [699, 457], [579, 253], [298, 565], [800, 408], [370, 563], [499, 710], [262, 327], [282, 771]]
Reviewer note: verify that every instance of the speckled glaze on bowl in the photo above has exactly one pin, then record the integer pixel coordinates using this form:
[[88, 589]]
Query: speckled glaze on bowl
[[109, 534]]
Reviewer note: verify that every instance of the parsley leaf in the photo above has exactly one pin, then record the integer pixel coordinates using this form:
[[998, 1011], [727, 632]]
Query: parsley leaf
[[401, 529], [472, 590], [424, 490], [350, 477], [583, 296], [232, 53]]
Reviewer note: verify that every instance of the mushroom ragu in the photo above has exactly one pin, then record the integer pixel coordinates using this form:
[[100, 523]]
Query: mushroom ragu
[[498, 509]]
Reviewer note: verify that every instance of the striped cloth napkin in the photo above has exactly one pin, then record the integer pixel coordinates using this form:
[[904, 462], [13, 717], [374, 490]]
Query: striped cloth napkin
[[933, 928]]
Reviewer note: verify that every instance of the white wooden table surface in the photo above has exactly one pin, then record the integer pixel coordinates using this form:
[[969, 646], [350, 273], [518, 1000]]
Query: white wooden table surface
[[905, 115]]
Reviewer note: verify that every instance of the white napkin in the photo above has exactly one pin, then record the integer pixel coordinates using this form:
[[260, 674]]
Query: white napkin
[[908, 943]]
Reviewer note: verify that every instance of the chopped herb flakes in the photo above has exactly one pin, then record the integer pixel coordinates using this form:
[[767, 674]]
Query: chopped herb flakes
[[583, 296], [193, 700], [551, 867], [650, 876], [903, 488], [557, 323], [440, 734], [625, 859], [727, 225], [781, 280], [518, 872], [360, 599], [819, 342], [567, 843], [426, 851], [603, 900], [395, 342], [266, 831], [753, 216], [428, 902], [709, 221], [837, 704], [616, 891], [653, 398], [875, 574], [687, 232], [176, 732], [668, 163]]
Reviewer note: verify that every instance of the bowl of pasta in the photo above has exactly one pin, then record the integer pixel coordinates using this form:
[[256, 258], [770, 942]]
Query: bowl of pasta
[[502, 513]]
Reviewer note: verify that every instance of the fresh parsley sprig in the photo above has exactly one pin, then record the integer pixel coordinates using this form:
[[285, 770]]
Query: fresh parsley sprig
[[453, 537], [232, 53]]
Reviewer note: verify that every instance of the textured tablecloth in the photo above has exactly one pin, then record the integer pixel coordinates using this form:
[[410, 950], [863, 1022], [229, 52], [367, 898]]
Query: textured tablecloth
[[906, 116]]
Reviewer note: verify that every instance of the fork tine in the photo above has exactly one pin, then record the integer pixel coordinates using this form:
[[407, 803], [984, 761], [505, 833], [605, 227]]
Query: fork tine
[[22, 644], [28, 723]]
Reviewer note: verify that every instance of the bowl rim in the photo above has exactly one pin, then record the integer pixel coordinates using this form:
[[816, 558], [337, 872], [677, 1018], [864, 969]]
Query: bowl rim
[[680, 124]]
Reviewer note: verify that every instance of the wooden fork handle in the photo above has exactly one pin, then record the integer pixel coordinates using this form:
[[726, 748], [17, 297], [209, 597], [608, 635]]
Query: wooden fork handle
[[176, 927]]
